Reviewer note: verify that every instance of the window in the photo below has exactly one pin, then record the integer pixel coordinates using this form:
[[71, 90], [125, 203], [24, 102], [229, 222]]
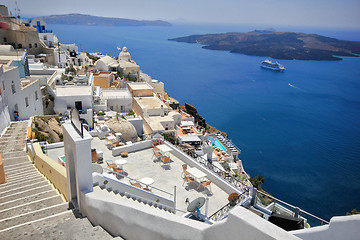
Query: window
[[5, 39], [45, 37], [19, 45], [13, 87], [36, 95], [30, 46], [3, 86], [26, 101], [35, 45]]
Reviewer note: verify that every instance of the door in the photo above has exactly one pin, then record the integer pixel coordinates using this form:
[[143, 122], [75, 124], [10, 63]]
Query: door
[[78, 106]]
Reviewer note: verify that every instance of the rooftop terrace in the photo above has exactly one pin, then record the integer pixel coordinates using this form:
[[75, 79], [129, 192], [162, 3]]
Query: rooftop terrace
[[141, 164]]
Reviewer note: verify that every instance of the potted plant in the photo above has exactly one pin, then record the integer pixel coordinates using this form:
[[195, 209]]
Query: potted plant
[[232, 198], [101, 115]]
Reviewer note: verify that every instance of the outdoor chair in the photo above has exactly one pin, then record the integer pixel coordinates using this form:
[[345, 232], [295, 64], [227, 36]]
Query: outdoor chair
[[117, 170], [188, 179], [110, 164], [206, 184], [184, 166], [134, 183], [165, 160], [146, 189], [157, 154]]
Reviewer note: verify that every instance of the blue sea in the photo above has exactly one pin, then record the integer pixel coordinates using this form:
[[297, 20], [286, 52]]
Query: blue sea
[[299, 129]]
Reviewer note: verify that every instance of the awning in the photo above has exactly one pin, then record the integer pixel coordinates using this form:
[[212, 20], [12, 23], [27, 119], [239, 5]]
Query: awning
[[187, 123], [190, 139]]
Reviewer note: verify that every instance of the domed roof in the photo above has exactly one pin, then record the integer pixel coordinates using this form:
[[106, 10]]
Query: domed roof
[[124, 55], [120, 125]]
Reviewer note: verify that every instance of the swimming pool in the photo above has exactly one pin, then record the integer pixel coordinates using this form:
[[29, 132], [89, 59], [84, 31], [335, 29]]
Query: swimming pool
[[217, 143]]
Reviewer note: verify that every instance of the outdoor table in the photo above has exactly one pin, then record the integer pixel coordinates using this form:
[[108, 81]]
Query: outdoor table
[[164, 148], [147, 181], [120, 163], [196, 173], [111, 138]]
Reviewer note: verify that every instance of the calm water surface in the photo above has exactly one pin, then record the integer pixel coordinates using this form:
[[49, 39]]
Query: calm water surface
[[300, 129]]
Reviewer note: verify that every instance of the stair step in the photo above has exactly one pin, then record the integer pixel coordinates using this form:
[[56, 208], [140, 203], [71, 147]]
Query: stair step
[[34, 215], [79, 228], [20, 173], [30, 206], [14, 186], [11, 154], [15, 182], [12, 160], [28, 199], [18, 179], [26, 193], [23, 188], [18, 166], [37, 227]]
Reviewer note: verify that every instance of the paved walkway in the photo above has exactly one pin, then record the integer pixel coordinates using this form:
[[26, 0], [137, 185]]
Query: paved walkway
[[30, 208]]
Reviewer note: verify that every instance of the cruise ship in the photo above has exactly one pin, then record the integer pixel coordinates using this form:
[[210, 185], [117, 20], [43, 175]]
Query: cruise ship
[[273, 66]]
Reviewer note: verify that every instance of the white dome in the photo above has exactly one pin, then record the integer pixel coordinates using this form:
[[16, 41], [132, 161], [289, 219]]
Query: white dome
[[124, 55], [120, 125]]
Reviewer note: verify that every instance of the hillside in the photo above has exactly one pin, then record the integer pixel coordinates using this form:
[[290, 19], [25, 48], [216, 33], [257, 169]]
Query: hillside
[[81, 19], [278, 45]]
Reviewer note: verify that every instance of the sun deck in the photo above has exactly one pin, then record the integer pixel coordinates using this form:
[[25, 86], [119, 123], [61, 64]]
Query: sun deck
[[141, 164]]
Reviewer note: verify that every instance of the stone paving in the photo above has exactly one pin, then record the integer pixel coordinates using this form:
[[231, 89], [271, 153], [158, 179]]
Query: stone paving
[[30, 208]]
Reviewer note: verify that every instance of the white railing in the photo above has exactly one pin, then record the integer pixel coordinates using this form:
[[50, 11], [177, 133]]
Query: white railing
[[135, 193]]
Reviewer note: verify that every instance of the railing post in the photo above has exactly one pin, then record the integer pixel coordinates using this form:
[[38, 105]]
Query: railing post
[[296, 212], [174, 199], [253, 196]]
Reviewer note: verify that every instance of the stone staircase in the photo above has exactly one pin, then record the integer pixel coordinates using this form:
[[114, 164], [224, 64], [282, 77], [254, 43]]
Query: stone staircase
[[112, 189], [30, 208]]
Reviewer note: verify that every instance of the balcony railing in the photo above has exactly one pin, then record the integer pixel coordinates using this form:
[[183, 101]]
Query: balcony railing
[[223, 212], [224, 175], [278, 206]]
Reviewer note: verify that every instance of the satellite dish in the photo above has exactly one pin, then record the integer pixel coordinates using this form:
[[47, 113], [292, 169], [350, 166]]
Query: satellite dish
[[196, 204]]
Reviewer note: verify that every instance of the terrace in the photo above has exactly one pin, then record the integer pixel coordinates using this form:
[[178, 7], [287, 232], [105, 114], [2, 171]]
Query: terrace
[[168, 178]]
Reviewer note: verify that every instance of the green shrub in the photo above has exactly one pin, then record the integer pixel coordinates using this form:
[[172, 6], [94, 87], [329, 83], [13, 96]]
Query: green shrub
[[257, 180], [131, 113], [100, 114]]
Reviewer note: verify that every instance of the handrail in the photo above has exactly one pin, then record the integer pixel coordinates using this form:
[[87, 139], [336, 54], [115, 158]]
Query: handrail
[[227, 207], [222, 173], [289, 205]]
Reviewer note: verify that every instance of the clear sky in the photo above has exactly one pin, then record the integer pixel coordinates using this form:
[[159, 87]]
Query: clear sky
[[315, 13]]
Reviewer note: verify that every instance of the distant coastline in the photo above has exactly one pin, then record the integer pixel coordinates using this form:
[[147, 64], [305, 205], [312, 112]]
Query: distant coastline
[[81, 19], [277, 45]]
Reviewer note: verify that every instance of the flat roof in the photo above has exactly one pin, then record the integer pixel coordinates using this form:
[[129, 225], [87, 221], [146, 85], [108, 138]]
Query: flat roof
[[155, 122], [141, 164], [73, 91], [140, 86], [150, 102], [116, 94]]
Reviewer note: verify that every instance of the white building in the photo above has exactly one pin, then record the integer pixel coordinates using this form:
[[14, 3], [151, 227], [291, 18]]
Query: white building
[[4, 109], [22, 96], [44, 34], [107, 64], [128, 67], [118, 100], [72, 96], [69, 54]]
